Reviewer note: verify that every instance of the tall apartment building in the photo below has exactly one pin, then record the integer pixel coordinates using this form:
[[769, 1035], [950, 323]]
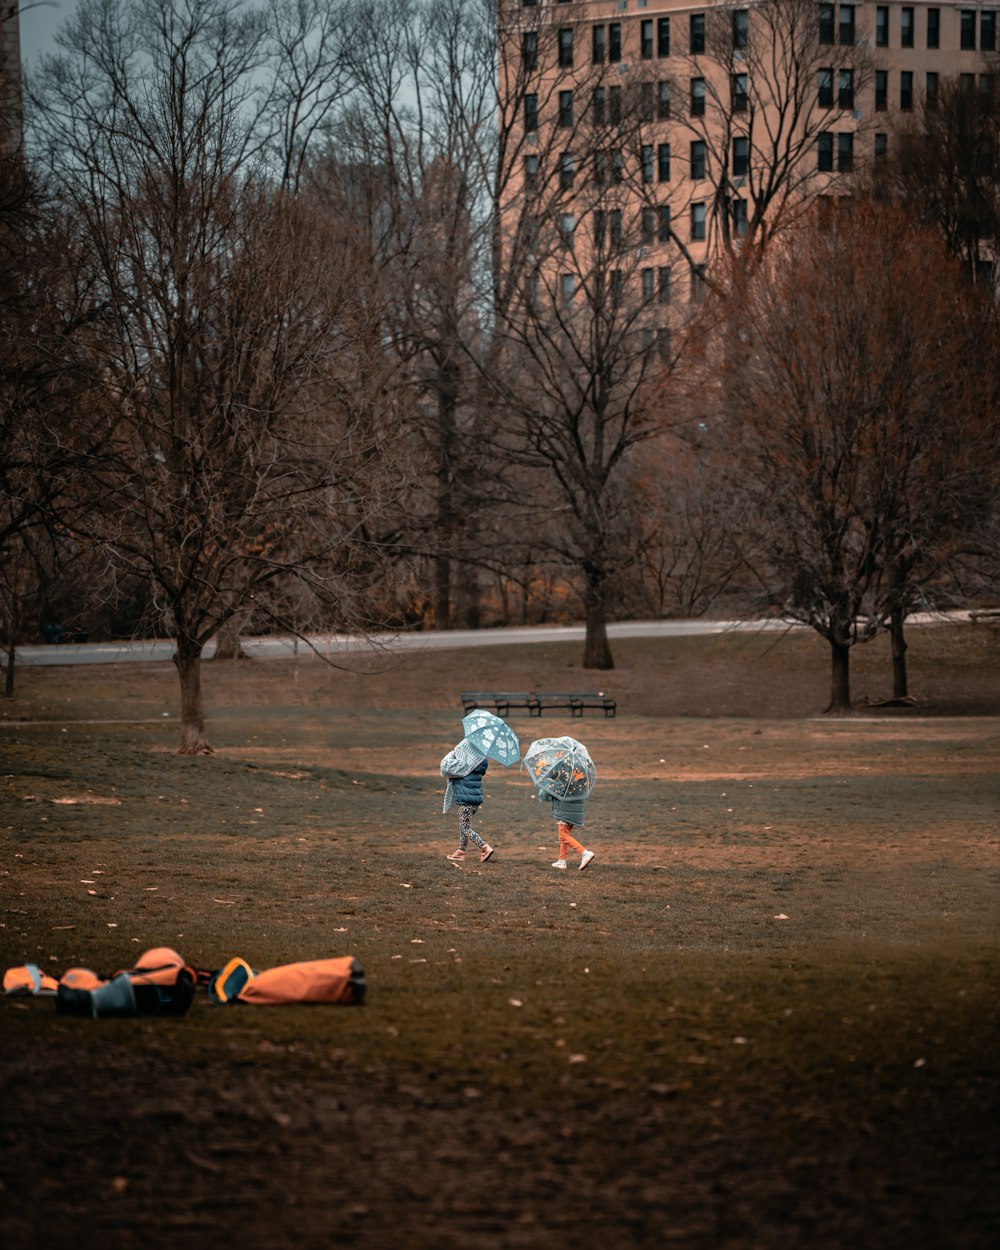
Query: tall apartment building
[[11, 110], [646, 136]]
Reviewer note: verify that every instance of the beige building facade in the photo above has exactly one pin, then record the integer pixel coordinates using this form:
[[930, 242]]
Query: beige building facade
[[647, 137]]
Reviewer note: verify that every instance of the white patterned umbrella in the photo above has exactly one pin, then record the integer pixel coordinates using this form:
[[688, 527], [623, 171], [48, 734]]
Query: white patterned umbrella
[[561, 767], [493, 736]]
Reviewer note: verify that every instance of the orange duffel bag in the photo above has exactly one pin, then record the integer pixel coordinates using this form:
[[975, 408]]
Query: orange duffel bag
[[338, 980]]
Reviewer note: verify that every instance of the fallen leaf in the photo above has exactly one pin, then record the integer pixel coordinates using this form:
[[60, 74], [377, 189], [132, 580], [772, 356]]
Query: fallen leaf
[[515, 1002]]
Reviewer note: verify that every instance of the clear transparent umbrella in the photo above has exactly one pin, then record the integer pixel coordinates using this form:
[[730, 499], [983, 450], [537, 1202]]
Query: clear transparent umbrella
[[561, 767], [493, 736]]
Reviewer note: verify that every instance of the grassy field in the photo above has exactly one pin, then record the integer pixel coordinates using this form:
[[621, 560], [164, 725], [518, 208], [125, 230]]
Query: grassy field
[[766, 1016]]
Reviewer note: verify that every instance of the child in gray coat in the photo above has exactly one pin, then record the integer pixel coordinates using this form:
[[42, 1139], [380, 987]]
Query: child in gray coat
[[569, 812]]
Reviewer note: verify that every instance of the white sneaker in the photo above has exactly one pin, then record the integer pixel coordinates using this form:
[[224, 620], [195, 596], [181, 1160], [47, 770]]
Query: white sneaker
[[585, 859], [560, 863]]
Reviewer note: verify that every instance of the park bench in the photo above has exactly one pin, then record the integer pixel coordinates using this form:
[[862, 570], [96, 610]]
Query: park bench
[[501, 702], [535, 702], [577, 704]]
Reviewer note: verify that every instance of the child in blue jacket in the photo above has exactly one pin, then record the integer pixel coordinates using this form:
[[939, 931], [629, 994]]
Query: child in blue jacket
[[464, 768]]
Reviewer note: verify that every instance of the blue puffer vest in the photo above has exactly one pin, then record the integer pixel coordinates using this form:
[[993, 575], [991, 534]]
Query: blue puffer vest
[[469, 789]]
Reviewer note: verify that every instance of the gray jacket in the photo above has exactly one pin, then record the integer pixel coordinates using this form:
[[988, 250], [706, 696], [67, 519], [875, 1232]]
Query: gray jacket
[[569, 810]]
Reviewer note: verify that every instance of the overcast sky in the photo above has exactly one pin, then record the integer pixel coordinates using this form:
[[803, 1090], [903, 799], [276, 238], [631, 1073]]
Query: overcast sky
[[39, 23]]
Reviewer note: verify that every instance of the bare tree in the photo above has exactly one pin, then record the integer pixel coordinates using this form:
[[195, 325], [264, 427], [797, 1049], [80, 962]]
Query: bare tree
[[419, 134], [769, 103], [852, 423], [236, 365], [589, 320], [944, 161]]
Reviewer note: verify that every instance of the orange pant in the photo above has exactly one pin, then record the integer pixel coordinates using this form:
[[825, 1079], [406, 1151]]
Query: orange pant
[[566, 839]]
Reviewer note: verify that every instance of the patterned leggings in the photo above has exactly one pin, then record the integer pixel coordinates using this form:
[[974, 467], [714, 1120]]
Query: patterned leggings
[[465, 829]]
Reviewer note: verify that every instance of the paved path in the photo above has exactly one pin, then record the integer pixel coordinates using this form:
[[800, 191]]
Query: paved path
[[151, 650]]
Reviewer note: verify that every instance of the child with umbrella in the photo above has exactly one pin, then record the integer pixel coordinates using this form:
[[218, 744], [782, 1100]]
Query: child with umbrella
[[486, 737], [565, 775]]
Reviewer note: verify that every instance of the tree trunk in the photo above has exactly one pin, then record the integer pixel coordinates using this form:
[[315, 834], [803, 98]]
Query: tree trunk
[[900, 683], [442, 592], [596, 651], [187, 658], [9, 670], [467, 607], [840, 678], [227, 641]]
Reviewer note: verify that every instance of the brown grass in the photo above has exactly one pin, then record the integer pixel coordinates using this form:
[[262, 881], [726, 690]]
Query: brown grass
[[765, 1016]]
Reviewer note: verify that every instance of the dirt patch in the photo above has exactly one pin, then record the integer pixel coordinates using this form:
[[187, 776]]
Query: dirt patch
[[765, 1016]]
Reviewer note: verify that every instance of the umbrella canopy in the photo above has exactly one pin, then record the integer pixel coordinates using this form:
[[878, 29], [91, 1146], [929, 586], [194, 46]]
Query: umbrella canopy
[[493, 736], [561, 767]]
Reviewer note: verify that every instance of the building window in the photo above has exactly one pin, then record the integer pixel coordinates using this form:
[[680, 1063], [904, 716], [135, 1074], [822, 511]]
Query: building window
[[741, 29], [881, 90], [600, 228], [663, 283], [663, 223], [740, 219], [614, 42], [931, 90], [906, 27], [845, 153], [566, 170], [646, 39], [598, 45], [663, 162], [567, 228], [616, 227], [697, 223], [597, 106], [697, 43], [567, 287], [529, 49], [647, 105], [600, 167], [528, 4], [933, 28], [615, 105], [697, 97], [739, 87], [617, 167], [663, 100], [617, 285], [881, 143], [824, 152], [845, 89], [988, 31], [530, 169], [967, 36], [663, 36], [531, 112], [826, 23], [648, 285], [847, 24], [826, 87], [566, 47], [741, 156], [648, 225], [906, 89], [646, 161], [698, 160], [565, 108], [697, 283], [882, 26]]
